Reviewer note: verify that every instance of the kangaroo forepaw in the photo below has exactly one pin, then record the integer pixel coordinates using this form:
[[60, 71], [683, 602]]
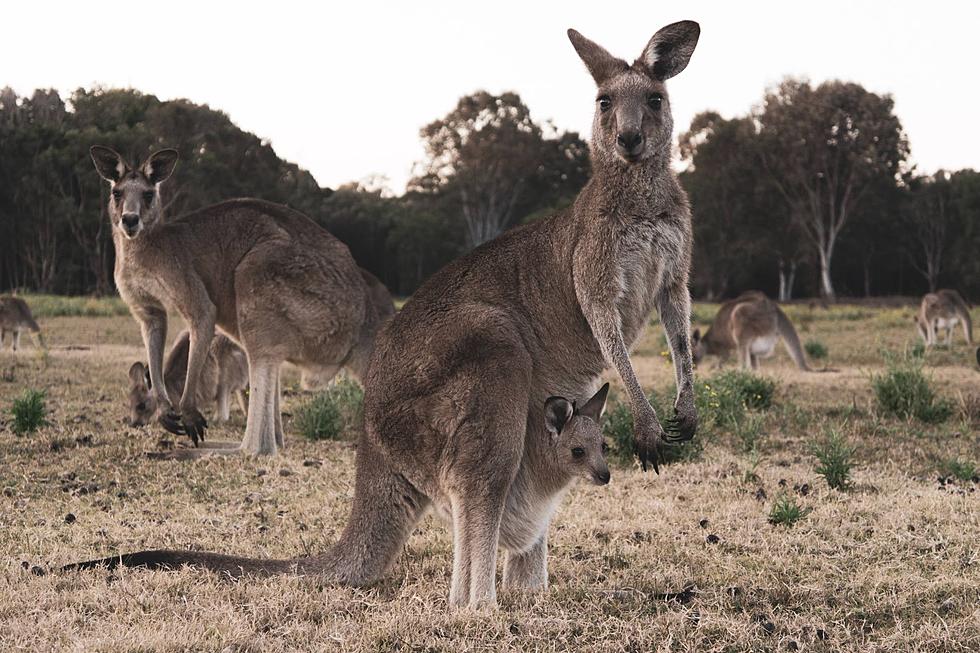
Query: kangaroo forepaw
[[680, 428], [194, 425], [170, 420]]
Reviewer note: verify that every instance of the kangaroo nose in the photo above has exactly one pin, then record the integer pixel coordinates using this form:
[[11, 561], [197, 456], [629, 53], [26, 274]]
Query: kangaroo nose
[[629, 140], [130, 220], [603, 477]]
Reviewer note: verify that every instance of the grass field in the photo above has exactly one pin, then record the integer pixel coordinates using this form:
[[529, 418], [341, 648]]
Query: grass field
[[684, 561]]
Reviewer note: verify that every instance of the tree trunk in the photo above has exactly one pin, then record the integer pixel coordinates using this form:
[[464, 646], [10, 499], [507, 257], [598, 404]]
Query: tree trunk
[[826, 285]]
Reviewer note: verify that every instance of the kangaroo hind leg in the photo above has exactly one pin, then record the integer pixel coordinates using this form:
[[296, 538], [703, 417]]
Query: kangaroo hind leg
[[260, 429]]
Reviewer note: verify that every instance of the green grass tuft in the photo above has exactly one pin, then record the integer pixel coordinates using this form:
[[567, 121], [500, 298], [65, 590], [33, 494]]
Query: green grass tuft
[[835, 456], [963, 470], [903, 390], [815, 349], [332, 413], [29, 412], [786, 511]]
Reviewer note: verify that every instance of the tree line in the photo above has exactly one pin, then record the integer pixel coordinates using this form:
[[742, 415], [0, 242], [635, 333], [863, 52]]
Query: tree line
[[810, 193]]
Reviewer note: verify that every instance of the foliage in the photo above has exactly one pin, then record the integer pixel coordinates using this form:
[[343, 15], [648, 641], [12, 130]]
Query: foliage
[[29, 412], [60, 306], [785, 511], [963, 470], [332, 413], [903, 390], [815, 349], [835, 456]]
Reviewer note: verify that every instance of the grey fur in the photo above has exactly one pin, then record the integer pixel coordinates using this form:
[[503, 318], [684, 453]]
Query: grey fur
[[749, 325], [15, 317], [457, 389], [267, 276], [943, 309]]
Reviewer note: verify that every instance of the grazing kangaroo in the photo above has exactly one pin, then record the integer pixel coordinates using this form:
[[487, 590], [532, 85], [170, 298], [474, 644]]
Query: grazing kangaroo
[[15, 316], [266, 275], [456, 399], [572, 447], [224, 373], [384, 306], [943, 309], [750, 324]]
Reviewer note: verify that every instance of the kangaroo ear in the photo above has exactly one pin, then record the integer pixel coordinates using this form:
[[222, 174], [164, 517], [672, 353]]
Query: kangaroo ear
[[108, 163], [696, 337], [593, 407], [597, 59], [557, 411], [160, 165], [139, 374], [670, 49]]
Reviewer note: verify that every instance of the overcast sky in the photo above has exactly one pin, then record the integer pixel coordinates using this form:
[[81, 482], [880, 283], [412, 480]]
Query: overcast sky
[[343, 89]]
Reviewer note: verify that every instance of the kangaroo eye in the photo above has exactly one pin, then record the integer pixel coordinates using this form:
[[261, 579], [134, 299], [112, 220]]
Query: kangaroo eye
[[578, 452], [604, 103], [655, 100], [148, 196], [141, 406], [116, 194]]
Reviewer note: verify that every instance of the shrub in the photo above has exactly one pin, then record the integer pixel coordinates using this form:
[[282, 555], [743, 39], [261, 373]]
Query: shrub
[[963, 470], [748, 388], [748, 432], [618, 428], [331, 413], [835, 457], [815, 349], [786, 512], [904, 391], [29, 412]]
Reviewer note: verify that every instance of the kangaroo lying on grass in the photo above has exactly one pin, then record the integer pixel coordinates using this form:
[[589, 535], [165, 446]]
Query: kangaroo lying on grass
[[225, 372], [571, 448], [266, 275], [751, 324], [943, 309], [455, 399], [15, 316]]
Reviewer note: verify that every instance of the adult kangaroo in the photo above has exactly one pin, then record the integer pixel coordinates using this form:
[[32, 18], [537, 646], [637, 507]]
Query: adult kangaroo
[[943, 309], [751, 325], [457, 393], [265, 275], [15, 317]]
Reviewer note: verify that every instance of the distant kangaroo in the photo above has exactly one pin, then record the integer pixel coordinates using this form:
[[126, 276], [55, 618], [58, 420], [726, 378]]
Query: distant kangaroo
[[224, 373], [751, 325], [455, 404], [943, 309], [15, 316], [570, 447], [266, 275]]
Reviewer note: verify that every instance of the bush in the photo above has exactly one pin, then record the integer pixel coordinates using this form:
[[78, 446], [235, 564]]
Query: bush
[[618, 428], [748, 432], [963, 470], [748, 388], [29, 412], [786, 512], [815, 349], [835, 457], [904, 391], [332, 413]]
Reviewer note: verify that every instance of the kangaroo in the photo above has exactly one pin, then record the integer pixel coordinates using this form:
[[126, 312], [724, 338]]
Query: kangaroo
[[267, 276], [15, 316], [224, 373], [311, 378], [572, 449], [750, 324], [456, 392], [943, 309]]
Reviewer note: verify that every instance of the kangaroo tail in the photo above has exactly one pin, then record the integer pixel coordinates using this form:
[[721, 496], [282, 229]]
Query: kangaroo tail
[[386, 509], [790, 339]]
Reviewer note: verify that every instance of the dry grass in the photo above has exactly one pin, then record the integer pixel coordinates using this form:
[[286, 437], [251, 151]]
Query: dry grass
[[892, 564]]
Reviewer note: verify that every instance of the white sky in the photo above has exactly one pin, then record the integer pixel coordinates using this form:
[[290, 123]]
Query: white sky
[[342, 89]]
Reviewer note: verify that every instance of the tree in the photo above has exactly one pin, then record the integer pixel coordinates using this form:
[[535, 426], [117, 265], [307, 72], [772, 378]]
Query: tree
[[496, 163], [928, 218], [823, 148]]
